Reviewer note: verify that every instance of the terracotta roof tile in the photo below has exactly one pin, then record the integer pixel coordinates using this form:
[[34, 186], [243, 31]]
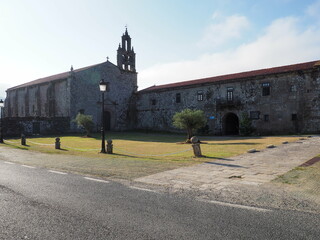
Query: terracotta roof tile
[[237, 76]]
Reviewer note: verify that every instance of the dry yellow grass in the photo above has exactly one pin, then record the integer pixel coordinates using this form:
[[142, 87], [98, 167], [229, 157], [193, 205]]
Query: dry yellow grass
[[138, 154], [303, 181]]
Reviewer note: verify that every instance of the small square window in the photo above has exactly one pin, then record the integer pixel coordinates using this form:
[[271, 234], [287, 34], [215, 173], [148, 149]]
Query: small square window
[[265, 89], [200, 95], [178, 97], [255, 115], [81, 111], [266, 117], [294, 117]]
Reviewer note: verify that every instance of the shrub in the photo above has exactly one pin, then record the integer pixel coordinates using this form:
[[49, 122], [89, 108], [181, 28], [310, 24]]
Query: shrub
[[86, 122], [246, 127]]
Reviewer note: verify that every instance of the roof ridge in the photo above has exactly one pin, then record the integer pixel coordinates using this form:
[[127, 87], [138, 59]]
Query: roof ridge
[[54, 77], [239, 75]]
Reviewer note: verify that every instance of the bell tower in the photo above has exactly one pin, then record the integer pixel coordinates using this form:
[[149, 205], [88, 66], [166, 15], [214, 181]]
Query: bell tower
[[126, 57]]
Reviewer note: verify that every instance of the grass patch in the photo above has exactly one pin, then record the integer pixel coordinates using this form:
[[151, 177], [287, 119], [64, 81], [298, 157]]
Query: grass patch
[[291, 177], [303, 181], [136, 154]]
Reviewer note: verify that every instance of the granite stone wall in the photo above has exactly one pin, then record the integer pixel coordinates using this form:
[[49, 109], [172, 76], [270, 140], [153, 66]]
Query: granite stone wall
[[65, 98], [86, 97], [293, 105], [15, 126]]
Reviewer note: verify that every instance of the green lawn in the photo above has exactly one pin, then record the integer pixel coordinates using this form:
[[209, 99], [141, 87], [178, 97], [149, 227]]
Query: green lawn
[[138, 154]]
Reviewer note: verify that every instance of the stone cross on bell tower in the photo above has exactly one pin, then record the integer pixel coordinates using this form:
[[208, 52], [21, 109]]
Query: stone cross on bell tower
[[126, 57]]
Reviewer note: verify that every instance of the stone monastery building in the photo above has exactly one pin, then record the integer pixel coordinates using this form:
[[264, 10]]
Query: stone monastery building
[[278, 100]]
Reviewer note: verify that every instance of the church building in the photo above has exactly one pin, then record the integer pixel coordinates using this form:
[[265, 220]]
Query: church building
[[279, 100], [49, 105]]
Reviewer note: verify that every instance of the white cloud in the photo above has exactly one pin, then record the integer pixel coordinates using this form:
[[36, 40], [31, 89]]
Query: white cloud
[[314, 9], [228, 28], [282, 42]]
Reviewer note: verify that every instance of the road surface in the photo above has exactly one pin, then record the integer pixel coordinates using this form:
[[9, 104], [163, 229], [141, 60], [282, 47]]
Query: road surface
[[37, 203]]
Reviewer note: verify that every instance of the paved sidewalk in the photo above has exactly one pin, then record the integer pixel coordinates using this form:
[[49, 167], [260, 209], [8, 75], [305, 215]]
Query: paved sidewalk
[[250, 168]]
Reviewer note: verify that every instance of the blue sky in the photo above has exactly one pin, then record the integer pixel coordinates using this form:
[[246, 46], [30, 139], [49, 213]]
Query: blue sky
[[175, 40]]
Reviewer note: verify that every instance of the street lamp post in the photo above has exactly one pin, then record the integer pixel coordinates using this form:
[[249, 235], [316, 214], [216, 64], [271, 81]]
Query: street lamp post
[[1, 122], [103, 88]]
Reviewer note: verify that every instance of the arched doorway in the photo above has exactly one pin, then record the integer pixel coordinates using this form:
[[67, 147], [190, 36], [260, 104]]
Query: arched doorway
[[231, 124], [107, 119]]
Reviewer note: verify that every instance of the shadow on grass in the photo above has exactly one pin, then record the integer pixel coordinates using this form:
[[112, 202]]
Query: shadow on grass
[[120, 155], [225, 165], [225, 159], [233, 143], [144, 136], [63, 150], [142, 158]]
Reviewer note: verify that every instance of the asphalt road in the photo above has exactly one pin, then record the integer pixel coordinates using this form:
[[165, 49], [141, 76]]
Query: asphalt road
[[39, 204]]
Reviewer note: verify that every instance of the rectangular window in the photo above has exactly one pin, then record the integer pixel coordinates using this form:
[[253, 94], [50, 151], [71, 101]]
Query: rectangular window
[[230, 94], [200, 96], [81, 111], [265, 89], [254, 115], [178, 98], [266, 117], [153, 102], [294, 117]]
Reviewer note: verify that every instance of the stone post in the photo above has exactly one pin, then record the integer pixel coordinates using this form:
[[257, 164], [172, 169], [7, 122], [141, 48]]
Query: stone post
[[57, 143], [109, 146], [23, 140], [196, 146]]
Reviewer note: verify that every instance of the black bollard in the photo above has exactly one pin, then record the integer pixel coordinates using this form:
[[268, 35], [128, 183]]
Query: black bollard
[[23, 140], [57, 143]]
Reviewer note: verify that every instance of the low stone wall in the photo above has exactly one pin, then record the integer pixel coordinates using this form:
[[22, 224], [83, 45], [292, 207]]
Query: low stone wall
[[35, 125]]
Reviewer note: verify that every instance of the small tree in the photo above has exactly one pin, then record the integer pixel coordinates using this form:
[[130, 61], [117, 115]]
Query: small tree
[[86, 122], [189, 120], [246, 127]]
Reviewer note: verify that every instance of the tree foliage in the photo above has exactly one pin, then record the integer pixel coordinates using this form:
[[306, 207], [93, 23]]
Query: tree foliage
[[189, 120], [85, 121], [246, 127]]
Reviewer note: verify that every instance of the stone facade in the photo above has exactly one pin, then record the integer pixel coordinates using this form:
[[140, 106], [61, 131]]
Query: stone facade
[[41, 106], [279, 100]]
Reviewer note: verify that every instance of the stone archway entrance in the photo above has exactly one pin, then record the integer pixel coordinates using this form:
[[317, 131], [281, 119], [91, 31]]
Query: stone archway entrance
[[231, 124], [107, 119]]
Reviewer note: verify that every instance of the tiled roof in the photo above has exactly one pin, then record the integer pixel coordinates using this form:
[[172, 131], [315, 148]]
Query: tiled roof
[[237, 76], [52, 78]]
